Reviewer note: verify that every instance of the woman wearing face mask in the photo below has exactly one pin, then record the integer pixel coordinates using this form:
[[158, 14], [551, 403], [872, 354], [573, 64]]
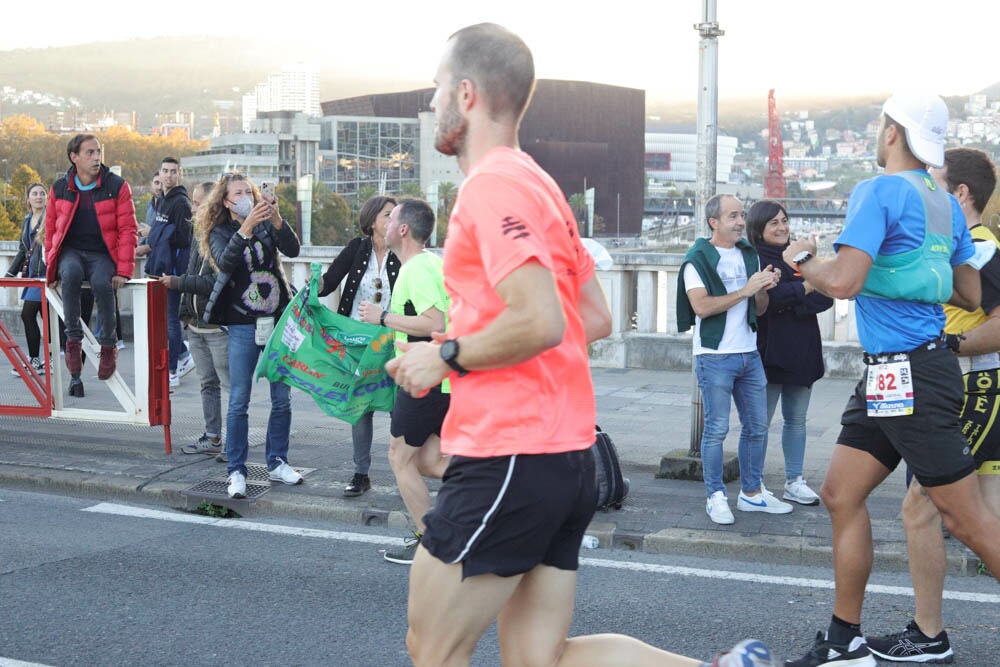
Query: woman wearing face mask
[[30, 263], [243, 236], [789, 342], [371, 270]]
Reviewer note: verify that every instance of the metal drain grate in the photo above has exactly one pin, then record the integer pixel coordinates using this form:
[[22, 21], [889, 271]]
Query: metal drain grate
[[213, 489]]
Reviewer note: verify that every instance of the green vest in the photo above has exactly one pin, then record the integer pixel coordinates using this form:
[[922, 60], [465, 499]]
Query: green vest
[[922, 274]]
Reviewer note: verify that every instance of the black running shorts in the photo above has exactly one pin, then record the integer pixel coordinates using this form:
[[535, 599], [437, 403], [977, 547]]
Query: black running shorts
[[416, 419], [505, 515], [929, 440]]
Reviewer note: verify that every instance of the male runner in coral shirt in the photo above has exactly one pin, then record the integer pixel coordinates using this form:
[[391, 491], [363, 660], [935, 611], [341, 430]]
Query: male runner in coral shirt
[[503, 538]]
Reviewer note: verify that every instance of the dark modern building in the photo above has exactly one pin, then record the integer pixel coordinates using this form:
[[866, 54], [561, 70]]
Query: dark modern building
[[587, 135]]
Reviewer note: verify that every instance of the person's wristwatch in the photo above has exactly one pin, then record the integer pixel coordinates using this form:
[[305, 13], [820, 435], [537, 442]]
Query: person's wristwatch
[[449, 353], [802, 257], [381, 318]]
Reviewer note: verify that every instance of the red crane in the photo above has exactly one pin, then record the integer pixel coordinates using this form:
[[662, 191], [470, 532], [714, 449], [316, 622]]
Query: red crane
[[774, 182]]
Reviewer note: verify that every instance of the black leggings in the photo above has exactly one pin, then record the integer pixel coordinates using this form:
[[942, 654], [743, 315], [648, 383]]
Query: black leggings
[[32, 333]]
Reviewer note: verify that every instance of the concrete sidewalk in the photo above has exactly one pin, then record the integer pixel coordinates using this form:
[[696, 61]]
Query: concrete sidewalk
[[647, 413]]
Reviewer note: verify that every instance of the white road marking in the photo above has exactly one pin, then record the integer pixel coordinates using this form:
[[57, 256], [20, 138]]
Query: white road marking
[[774, 580], [140, 513], [799, 582], [7, 662]]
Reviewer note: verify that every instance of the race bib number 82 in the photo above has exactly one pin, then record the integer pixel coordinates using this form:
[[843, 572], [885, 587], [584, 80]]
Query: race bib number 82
[[890, 389]]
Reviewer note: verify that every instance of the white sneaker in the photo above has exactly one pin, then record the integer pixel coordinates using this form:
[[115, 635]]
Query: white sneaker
[[284, 473], [765, 501], [120, 345], [237, 485], [718, 509], [185, 366], [175, 380], [799, 492]]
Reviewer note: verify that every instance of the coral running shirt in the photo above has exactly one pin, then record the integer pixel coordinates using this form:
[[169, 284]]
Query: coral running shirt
[[508, 212]]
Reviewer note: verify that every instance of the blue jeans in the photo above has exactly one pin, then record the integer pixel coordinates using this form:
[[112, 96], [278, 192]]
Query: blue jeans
[[210, 352], [98, 268], [361, 436], [723, 378], [243, 356], [175, 337], [794, 405]]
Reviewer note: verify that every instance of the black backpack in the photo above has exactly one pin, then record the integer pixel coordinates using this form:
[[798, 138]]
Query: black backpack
[[612, 488]]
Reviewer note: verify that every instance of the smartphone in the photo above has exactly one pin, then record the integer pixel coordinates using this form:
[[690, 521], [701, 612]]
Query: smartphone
[[267, 191]]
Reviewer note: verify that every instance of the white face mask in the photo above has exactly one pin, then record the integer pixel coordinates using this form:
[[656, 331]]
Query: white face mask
[[243, 206]]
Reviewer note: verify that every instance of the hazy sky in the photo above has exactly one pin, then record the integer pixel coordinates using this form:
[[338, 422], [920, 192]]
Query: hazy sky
[[798, 47]]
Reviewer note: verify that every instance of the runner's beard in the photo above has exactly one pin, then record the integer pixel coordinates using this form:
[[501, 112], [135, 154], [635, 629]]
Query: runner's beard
[[452, 130]]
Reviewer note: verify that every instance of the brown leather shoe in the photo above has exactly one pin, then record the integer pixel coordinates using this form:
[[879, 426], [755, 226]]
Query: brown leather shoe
[[109, 357], [74, 356]]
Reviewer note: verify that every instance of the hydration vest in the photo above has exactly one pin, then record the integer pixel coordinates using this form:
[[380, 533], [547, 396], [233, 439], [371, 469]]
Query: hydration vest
[[922, 274]]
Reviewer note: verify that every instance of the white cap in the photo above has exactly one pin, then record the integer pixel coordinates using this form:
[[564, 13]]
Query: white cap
[[925, 118]]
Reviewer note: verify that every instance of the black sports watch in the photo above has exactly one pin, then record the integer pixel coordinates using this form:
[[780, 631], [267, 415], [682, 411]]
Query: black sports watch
[[449, 353], [802, 257]]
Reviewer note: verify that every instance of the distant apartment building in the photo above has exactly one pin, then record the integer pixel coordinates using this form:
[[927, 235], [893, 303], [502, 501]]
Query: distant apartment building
[[165, 124], [673, 157], [66, 122], [295, 88], [281, 147]]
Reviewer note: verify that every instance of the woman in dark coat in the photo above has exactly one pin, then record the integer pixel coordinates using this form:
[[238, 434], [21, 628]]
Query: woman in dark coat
[[30, 263], [789, 342], [370, 269]]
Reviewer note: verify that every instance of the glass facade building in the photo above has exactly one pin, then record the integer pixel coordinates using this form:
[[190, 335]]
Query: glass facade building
[[355, 152]]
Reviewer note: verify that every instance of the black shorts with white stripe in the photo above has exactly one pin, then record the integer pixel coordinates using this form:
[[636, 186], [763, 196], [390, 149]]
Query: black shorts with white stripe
[[505, 515]]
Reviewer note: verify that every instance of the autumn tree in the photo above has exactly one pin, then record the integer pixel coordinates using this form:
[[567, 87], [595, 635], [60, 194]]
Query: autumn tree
[[23, 176], [24, 141], [9, 230]]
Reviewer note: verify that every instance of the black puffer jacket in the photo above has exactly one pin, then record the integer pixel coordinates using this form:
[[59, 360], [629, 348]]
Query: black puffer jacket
[[232, 254], [195, 288]]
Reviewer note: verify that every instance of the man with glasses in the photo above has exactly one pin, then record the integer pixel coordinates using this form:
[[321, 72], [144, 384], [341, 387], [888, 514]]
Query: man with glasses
[[419, 304]]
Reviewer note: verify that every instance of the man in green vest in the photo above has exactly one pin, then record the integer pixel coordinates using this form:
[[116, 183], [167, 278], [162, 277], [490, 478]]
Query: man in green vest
[[721, 291]]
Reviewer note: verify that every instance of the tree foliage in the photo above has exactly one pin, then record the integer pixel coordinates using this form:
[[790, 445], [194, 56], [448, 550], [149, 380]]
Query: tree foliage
[[332, 223], [9, 229], [25, 141], [16, 204]]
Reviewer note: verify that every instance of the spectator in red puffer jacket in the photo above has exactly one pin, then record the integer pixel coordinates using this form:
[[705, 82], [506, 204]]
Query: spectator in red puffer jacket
[[90, 235]]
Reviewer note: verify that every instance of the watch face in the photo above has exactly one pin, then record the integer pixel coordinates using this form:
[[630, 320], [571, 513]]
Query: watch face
[[449, 350], [802, 257]]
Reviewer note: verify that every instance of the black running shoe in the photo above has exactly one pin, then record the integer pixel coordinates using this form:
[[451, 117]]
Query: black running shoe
[[823, 652], [912, 645]]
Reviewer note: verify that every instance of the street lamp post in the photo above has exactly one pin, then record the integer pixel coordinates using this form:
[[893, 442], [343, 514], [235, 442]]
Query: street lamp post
[[708, 137]]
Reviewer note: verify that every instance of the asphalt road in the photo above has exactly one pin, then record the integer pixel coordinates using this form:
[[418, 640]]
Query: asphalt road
[[90, 583]]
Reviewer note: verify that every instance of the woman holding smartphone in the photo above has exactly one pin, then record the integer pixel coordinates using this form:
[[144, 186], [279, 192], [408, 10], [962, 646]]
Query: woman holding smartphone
[[244, 236], [789, 342]]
